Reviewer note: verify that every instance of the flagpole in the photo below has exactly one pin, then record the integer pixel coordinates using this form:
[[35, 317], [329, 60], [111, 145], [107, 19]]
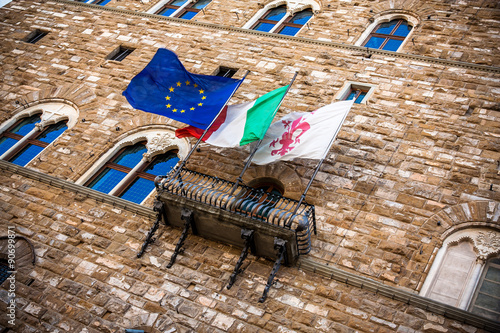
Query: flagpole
[[247, 164], [184, 161], [303, 196]]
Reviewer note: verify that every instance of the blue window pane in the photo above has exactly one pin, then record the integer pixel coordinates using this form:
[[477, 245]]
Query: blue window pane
[[178, 2], [52, 132], [392, 45], [403, 30], [101, 2], [276, 14], [289, 31], [387, 27], [374, 42], [188, 15], [6, 144], [27, 154], [302, 17], [131, 156], [26, 126], [107, 180], [162, 164], [138, 190], [201, 4], [351, 95], [360, 97], [266, 27], [166, 12]]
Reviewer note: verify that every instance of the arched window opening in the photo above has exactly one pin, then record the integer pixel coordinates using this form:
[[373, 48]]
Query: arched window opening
[[388, 35], [269, 20], [180, 8], [486, 299], [24, 141], [128, 175], [462, 276], [293, 24]]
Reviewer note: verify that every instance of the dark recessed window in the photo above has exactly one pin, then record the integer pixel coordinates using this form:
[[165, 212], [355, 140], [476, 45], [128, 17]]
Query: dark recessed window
[[226, 71], [120, 53], [4, 270], [35, 36]]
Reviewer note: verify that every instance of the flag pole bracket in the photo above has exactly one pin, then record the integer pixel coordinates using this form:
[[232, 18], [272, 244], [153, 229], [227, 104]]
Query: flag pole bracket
[[280, 245], [159, 208], [247, 235], [188, 216]]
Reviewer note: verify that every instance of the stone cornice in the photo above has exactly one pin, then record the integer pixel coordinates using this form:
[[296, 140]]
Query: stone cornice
[[78, 189], [407, 297], [304, 263], [347, 47]]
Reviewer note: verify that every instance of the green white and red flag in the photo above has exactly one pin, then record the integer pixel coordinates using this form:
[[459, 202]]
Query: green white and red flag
[[240, 124]]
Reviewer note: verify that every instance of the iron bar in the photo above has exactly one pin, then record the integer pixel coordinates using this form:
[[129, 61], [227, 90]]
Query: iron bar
[[186, 215], [280, 245], [159, 208], [247, 235]]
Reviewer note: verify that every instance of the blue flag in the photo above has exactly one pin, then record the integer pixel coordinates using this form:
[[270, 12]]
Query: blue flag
[[166, 88]]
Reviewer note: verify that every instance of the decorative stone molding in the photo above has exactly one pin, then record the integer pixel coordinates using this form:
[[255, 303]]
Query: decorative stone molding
[[159, 143], [486, 242]]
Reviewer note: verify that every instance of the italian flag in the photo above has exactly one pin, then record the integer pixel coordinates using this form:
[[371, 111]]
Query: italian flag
[[240, 124]]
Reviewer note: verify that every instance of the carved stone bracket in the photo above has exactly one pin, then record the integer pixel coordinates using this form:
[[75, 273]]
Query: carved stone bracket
[[159, 143]]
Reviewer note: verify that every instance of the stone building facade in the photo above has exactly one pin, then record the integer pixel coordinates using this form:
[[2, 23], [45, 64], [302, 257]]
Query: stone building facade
[[406, 202]]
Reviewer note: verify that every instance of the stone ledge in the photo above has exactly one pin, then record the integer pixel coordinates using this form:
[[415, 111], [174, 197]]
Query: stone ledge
[[79, 189], [404, 296], [349, 47]]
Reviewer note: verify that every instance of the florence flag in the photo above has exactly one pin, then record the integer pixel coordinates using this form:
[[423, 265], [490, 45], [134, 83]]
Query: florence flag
[[302, 134], [240, 124]]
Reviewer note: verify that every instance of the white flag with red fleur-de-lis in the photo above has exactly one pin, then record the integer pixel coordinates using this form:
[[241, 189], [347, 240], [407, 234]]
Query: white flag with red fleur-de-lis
[[302, 134]]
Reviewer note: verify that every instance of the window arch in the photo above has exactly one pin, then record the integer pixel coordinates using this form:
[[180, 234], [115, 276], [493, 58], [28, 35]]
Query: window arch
[[27, 134], [185, 9], [388, 32], [466, 272], [283, 17], [129, 169]]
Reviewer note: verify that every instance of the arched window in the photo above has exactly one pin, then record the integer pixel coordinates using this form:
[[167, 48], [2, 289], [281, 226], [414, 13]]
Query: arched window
[[128, 176], [285, 19], [184, 9], [128, 170], [31, 131], [388, 35], [486, 299], [269, 21], [466, 272]]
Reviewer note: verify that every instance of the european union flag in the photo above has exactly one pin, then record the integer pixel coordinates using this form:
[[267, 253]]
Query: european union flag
[[166, 88]]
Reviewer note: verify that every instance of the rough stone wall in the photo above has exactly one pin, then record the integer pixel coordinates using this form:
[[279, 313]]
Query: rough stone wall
[[87, 279], [427, 140]]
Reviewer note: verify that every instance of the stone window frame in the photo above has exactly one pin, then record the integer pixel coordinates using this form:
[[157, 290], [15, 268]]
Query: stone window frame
[[180, 11], [51, 112], [158, 141], [354, 85], [486, 244], [387, 17], [292, 8]]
